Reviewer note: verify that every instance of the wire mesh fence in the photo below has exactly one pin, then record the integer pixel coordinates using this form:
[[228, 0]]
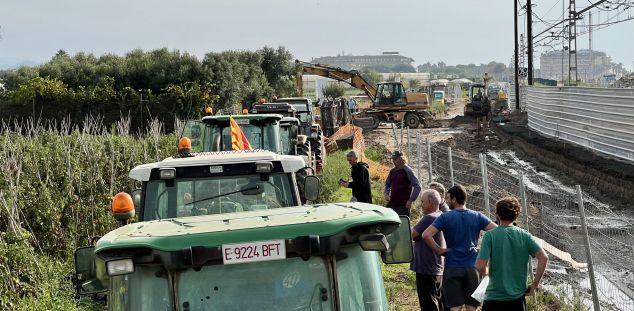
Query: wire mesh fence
[[597, 274]]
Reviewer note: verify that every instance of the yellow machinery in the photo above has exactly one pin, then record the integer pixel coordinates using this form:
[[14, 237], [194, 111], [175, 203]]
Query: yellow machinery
[[390, 102]]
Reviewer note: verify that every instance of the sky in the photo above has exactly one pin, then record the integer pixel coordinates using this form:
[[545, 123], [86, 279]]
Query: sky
[[453, 31]]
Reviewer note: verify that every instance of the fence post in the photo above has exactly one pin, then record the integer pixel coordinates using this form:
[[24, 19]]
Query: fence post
[[485, 183], [402, 125], [523, 199], [418, 154], [408, 154], [450, 165], [397, 147], [586, 242], [525, 208], [429, 167]]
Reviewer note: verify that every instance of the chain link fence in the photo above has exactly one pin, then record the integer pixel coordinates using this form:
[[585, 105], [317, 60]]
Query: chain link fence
[[590, 245]]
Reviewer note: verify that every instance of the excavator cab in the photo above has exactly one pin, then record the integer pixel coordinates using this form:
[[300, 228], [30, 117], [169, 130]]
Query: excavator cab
[[390, 93]]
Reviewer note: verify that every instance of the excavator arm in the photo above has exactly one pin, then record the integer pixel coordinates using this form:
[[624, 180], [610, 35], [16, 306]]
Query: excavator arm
[[351, 77]]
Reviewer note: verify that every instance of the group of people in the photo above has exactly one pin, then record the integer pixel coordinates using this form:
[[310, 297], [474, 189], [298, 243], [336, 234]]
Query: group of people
[[447, 262]]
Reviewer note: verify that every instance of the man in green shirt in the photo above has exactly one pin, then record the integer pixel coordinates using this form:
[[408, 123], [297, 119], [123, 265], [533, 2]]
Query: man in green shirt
[[506, 250]]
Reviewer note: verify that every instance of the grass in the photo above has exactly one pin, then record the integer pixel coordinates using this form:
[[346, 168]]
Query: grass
[[400, 287]]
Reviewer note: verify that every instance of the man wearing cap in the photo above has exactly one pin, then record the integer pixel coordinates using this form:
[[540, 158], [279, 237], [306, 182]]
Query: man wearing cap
[[401, 186]]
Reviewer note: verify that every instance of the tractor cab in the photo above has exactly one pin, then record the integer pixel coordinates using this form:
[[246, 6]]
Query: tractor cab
[[213, 133], [390, 93], [284, 109], [478, 103]]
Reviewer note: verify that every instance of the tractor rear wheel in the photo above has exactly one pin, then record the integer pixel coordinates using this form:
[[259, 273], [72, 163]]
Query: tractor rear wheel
[[412, 121], [375, 121]]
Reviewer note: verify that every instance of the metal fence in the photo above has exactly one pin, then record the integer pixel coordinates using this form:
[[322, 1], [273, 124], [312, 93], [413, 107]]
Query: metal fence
[[595, 118], [591, 246]]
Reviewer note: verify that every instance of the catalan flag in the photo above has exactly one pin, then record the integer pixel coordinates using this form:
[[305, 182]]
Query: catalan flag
[[238, 140]]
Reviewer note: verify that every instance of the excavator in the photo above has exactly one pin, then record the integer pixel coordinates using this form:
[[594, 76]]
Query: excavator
[[390, 102]]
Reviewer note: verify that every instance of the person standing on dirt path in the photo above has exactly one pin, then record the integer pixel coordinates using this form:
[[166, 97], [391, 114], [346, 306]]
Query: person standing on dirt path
[[360, 184], [443, 207], [506, 250], [427, 264], [461, 228], [352, 105], [401, 186]]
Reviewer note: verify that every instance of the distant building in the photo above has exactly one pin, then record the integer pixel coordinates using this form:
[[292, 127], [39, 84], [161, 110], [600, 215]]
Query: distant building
[[591, 65], [311, 82], [359, 62]]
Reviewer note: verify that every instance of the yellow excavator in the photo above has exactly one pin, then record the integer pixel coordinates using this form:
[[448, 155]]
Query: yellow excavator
[[390, 102]]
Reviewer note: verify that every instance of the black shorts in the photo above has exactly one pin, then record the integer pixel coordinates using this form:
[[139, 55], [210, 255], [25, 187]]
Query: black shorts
[[495, 305], [457, 286]]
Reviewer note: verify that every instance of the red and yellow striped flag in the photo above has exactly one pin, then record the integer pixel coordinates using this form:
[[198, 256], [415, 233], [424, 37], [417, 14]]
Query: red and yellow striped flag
[[238, 140]]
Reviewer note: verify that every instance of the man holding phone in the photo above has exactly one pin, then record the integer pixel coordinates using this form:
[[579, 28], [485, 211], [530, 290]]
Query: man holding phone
[[360, 184]]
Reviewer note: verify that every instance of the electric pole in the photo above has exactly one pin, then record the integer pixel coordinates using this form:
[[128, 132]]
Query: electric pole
[[517, 73], [529, 38]]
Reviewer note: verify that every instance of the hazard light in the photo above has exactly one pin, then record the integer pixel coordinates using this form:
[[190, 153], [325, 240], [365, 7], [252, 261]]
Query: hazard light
[[122, 206]]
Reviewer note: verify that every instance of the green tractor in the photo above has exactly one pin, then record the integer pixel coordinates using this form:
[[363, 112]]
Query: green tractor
[[321, 257], [309, 126]]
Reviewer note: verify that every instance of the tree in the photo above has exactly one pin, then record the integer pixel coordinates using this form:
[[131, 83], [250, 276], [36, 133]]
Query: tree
[[43, 90], [279, 69], [333, 90], [413, 84], [371, 76]]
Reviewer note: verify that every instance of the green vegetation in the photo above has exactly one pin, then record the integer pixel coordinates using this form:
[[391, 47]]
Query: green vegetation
[[56, 190], [157, 84], [438, 108], [546, 301], [471, 71]]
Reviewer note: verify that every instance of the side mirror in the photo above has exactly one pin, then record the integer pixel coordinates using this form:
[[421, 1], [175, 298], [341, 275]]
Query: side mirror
[[90, 272], [401, 248], [311, 188]]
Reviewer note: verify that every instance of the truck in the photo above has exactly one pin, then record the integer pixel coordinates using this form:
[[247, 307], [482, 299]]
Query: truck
[[390, 101]]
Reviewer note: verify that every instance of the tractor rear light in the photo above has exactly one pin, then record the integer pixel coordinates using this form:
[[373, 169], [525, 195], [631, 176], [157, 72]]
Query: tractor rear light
[[168, 173], [374, 242], [120, 266], [263, 167]]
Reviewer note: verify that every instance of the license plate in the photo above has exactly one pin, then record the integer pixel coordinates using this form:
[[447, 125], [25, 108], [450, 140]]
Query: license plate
[[253, 251]]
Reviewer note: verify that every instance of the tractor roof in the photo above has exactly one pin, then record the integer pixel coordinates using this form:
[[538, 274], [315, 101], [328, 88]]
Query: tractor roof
[[265, 118], [289, 163], [289, 120], [274, 224]]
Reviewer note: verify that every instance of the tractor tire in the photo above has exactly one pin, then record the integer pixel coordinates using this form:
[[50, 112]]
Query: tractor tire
[[375, 122], [412, 121], [303, 149]]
